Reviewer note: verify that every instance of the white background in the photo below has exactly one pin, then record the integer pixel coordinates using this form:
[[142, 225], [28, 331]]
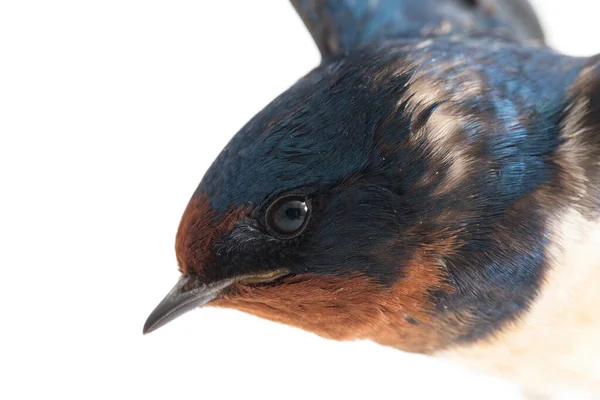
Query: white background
[[110, 112]]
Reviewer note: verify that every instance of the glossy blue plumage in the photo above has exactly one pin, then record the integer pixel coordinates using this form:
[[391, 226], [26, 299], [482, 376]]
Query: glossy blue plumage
[[438, 132], [339, 26]]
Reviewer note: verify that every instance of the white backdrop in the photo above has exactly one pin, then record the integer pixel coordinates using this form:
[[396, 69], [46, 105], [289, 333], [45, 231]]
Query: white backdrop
[[110, 112]]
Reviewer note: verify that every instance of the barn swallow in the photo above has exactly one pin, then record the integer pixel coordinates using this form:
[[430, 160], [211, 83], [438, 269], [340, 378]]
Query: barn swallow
[[433, 185]]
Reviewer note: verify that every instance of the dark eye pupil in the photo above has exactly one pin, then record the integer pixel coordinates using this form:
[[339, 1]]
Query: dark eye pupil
[[288, 216], [294, 213]]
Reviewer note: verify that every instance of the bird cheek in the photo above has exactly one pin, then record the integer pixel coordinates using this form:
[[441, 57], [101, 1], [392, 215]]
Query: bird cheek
[[357, 306], [326, 305]]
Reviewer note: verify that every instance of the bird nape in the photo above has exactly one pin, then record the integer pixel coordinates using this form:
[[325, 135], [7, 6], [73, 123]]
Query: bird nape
[[424, 187]]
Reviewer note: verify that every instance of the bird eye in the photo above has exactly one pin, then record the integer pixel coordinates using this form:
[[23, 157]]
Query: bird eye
[[288, 215]]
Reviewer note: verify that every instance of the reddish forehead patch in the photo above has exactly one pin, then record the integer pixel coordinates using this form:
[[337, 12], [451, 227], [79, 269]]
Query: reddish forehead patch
[[199, 228]]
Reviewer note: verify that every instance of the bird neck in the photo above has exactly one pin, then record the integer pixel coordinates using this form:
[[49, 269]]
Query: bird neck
[[554, 346]]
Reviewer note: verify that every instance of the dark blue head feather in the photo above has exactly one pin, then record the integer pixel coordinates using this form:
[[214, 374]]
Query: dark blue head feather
[[441, 134]]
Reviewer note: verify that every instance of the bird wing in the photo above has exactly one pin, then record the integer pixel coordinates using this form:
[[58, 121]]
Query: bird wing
[[338, 26]]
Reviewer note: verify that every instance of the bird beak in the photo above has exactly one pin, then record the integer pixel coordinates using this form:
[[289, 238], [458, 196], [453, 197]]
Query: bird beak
[[190, 293]]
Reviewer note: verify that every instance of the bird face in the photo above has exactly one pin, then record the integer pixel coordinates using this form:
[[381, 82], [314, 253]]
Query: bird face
[[381, 197], [296, 222]]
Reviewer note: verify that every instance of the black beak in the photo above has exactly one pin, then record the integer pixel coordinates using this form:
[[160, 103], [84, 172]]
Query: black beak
[[189, 293]]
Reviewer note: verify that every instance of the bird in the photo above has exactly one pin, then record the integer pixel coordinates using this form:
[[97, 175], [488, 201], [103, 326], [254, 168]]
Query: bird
[[432, 185]]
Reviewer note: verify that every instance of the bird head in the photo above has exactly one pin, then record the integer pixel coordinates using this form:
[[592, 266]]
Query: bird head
[[397, 193]]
